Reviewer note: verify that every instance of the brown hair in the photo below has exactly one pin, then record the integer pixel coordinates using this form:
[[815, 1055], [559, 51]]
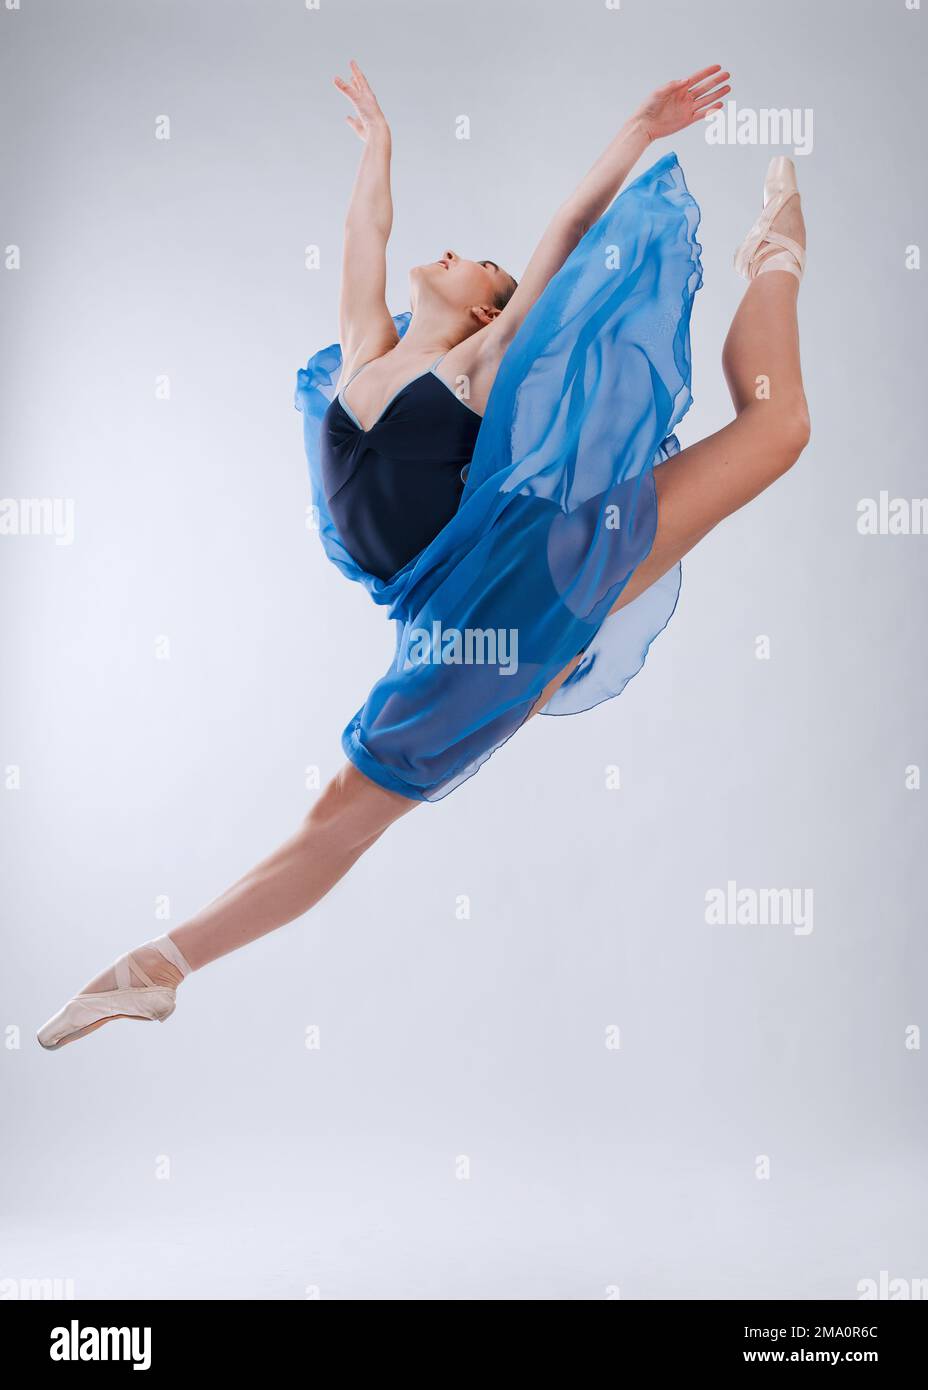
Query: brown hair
[[503, 297]]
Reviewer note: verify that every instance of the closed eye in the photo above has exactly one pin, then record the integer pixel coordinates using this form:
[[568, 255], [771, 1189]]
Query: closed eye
[[489, 263]]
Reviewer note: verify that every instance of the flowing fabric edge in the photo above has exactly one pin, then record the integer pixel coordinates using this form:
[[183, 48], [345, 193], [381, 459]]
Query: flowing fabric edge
[[568, 713], [366, 764]]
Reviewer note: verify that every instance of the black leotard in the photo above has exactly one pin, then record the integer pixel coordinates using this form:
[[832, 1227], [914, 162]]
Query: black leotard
[[391, 488]]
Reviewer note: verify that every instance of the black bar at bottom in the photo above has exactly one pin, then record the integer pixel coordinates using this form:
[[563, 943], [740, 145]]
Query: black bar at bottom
[[247, 1338]]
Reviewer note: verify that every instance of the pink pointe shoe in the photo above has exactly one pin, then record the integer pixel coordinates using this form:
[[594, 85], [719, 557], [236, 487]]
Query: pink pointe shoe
[[779, 186], [85, 1012]]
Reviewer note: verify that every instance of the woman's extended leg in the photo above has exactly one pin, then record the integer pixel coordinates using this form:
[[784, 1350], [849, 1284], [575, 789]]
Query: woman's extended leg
[[700, 486], [703, 484], [348, 817]]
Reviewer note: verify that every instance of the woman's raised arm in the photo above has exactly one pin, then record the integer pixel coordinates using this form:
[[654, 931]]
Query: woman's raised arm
[[365, 326], [669, 109]]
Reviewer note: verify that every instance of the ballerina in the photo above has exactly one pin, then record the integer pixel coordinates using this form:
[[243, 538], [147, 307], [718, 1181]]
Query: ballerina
[[499, 469]]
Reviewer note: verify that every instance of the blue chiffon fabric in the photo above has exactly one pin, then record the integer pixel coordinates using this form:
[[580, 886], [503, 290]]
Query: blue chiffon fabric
[[558, 509]]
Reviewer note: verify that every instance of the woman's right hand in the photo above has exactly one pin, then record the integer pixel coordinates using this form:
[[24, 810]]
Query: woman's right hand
[[369, 118], [680, 104]]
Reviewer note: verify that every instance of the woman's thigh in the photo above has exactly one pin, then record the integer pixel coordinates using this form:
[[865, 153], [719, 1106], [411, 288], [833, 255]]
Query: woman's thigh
[[696, 489]]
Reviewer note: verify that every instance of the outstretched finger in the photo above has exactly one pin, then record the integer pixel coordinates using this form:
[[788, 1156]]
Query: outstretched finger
[[700, 76], [705, 87], [702, 111], [345, 89], [709, 103], [359, 77]]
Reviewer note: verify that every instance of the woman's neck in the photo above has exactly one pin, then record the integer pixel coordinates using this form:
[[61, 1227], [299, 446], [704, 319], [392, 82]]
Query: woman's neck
[[428, 334]]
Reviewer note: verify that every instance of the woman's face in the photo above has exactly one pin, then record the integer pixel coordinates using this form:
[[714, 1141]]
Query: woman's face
[[459, 283]]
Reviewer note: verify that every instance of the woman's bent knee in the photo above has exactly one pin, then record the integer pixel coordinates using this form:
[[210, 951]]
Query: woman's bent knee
[[799, 428], [787, 434]]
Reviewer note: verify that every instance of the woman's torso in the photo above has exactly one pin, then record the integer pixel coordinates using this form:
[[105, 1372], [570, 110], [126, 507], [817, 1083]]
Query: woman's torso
[[391, 487]]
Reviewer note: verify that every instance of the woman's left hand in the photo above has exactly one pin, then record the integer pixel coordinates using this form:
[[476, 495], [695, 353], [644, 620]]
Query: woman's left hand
[[368, 117], [682, 103]]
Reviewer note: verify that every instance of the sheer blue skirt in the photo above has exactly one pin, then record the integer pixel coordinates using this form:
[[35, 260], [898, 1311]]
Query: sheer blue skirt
[[558, 510]]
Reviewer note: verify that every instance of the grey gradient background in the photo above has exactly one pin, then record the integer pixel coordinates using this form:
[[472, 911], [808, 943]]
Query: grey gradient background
[[334, 1170]]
